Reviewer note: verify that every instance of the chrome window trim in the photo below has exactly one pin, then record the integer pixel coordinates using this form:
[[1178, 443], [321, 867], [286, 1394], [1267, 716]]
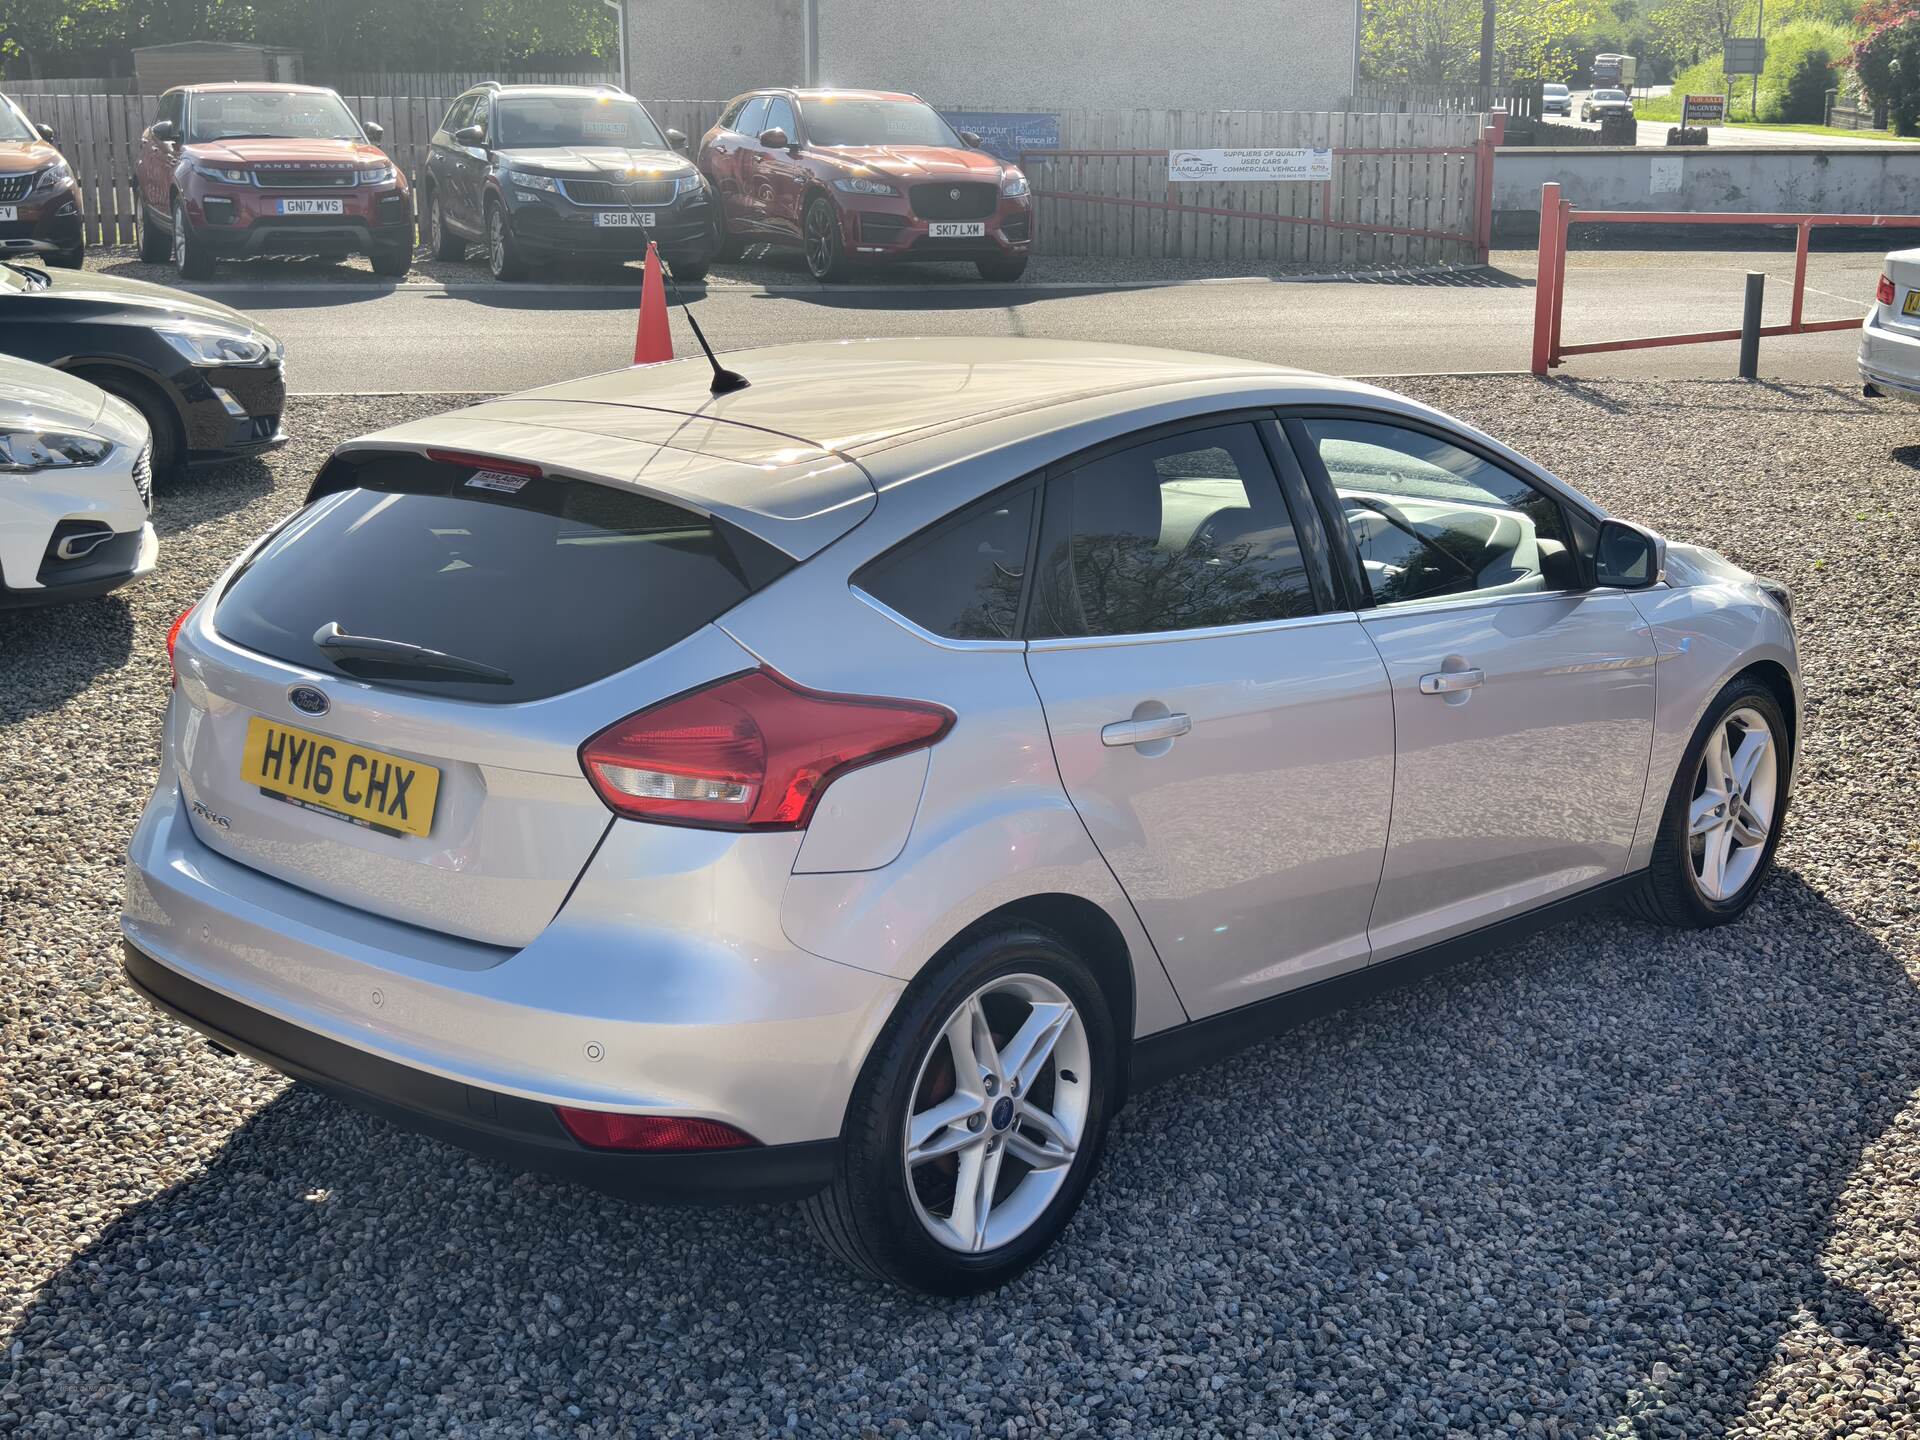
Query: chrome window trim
[[920, 632], [1440, 604], [1210, 632]]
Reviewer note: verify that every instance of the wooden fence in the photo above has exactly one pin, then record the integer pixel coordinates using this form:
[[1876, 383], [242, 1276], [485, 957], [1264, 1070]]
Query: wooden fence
[[1414, 172], [1106, 192], [357, 82]]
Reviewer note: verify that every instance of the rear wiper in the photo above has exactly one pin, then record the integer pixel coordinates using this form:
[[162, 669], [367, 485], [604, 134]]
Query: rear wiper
[[30, 272], [403, 655]]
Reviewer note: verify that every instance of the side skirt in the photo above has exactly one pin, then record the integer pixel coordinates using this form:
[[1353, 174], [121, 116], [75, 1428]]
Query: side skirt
[[1167, 1053]]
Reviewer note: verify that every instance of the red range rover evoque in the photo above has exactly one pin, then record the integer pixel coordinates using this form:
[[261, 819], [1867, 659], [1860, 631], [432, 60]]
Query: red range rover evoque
[[243, 169], [858, 175]]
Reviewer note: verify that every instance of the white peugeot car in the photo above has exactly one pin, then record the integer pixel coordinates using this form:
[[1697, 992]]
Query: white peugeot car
[[1890, 335], [76, 486], [849, 786]]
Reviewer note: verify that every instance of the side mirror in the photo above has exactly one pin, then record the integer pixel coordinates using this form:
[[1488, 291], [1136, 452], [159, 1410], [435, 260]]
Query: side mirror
[[375, 132], [973, 140], [1628, 556], [678, 140], [46, 131], [774, 139], [471, 136], [165, 131]]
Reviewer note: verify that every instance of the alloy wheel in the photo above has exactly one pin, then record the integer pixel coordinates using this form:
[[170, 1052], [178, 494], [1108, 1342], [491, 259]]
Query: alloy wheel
[[1734, 801], [180, 237], [819, 238], [497, 240], [998, 1112]]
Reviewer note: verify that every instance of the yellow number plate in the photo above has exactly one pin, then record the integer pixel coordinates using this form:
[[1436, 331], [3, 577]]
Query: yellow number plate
[[1912, 307], [347, 781]]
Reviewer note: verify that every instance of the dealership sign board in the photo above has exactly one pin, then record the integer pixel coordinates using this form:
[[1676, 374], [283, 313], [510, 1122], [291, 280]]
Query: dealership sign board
[[1703, 110], [1234, 166], [1005, 134]]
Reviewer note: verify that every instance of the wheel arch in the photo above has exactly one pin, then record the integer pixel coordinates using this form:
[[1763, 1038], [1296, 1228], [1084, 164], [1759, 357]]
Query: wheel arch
[[1091, 933], [1773, 675]]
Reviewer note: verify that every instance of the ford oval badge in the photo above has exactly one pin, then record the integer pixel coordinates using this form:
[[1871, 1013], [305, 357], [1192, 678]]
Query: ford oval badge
[[307, 700]]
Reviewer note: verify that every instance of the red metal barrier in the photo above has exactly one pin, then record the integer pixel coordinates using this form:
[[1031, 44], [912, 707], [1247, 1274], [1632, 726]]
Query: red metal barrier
[[1556, 215], [1480, 236]]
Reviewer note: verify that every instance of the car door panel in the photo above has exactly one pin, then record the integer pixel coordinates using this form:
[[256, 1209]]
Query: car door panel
[[1226, 738], [782, 177], [1250, 846], [1522, 699], [1525, 784]]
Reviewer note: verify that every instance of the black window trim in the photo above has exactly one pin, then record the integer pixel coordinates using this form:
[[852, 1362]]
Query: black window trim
[[1261, 419], [1581, 523]]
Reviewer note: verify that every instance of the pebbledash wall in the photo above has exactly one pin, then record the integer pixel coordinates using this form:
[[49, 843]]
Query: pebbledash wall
[[1005, 54]]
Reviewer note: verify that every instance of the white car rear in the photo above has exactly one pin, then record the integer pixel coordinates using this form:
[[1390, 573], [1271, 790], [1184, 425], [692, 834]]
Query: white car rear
[[76, 485], [1890, 335]]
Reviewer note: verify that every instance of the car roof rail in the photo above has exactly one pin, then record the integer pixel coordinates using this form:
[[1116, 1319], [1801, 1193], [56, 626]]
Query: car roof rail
[[488, 85]]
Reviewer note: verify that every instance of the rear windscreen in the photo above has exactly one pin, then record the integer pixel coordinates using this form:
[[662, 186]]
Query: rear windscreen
[[553, 582]]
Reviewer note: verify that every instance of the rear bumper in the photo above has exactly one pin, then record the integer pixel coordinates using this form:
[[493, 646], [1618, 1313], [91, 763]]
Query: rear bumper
[[1889, 360], [610, 1008], [515, 1131]]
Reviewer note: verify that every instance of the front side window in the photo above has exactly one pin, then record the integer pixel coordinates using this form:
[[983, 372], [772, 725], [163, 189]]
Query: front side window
[[780, 116], [1181, 533], [962, 578], [173, 107], [832, 121], [461, 115], [271, 115], [1430, 519], [536, 122]]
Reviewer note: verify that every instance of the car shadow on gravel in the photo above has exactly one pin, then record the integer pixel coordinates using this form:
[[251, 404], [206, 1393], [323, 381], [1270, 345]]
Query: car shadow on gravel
[[1591, 1179], [51, 653]]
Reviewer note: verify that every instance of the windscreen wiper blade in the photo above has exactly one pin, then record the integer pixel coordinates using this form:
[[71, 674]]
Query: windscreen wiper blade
[[404, 655]]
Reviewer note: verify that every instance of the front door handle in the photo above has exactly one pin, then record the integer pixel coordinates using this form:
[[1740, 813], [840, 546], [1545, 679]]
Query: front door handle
[[1145, 732], [1451, 682]]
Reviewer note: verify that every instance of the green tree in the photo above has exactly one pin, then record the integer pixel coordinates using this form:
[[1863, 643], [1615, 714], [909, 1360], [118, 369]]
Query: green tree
[[1888, 65], [1437, 42]]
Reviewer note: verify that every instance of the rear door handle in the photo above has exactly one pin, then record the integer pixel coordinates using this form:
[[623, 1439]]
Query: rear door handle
[[1451, 682], [1145, 732]]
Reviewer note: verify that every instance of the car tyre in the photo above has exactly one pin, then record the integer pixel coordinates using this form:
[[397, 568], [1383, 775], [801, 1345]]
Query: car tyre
[[392, 260], [691, 271], [913, 1224], [1002, 268], [825, 245], [444, 244], [73, 259], [169, 439], [1717, 839], [190, 254], [156, 246], [503, 256], [726, 245]]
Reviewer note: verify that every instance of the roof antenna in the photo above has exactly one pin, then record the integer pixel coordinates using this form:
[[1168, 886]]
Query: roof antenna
[[725, 381]]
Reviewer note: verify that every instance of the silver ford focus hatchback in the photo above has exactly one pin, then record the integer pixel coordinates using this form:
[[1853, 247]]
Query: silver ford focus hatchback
[[847, 787]]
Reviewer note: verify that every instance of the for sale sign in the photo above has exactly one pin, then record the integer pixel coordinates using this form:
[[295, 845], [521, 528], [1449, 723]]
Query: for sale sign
[[1703, 110], [1234, 166]]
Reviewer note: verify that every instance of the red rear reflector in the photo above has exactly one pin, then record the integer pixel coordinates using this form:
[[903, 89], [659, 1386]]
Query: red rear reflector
[[1884, 294], [606, 1131], [173, 638], [753, 752], [485, 462]]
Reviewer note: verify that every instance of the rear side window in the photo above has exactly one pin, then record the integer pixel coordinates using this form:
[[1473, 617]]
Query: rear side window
[[962, 578], [1182, 533], [556, 582]]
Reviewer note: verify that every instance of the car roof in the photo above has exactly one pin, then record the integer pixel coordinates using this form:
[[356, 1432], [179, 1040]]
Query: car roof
[[799, 455], [215, 87], [831, 95], [611, 91]]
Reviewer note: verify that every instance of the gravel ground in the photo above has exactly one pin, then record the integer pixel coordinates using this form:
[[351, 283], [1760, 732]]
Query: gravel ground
[[1614, 1182], [762, 266]]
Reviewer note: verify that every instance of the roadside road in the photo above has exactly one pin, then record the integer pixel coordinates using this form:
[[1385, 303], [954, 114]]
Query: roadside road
[[1725, 137], [503, 338]]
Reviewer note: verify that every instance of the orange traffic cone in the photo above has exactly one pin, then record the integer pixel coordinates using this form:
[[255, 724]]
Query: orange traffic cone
[[653, 342]]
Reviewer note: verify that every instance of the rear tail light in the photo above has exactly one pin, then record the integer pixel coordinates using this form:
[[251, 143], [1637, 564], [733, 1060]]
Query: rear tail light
[[753, 752], [1884, 293], [604, 1130], [173, 638]]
